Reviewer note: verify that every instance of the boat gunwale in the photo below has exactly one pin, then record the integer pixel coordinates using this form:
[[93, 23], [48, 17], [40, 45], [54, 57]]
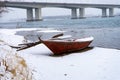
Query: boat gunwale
[[71, 40]]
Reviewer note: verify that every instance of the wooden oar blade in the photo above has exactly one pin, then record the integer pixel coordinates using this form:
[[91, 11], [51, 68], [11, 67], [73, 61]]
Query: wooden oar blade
[[58, 35]]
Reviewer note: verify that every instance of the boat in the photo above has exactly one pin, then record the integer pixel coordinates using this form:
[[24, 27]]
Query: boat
[[67, 46]]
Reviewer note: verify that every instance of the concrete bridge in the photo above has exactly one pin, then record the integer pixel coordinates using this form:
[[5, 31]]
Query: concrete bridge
[[29, 6]]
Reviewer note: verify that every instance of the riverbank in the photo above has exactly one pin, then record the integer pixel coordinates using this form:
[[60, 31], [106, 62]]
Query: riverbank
[[103, 37], [105, 30], [93, 64]]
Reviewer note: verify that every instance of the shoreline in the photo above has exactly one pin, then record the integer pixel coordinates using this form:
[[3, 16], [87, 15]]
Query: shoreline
[[105, 37], [102, 62]]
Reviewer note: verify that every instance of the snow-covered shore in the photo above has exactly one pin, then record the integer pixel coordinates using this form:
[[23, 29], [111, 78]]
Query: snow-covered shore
[[93, 64]]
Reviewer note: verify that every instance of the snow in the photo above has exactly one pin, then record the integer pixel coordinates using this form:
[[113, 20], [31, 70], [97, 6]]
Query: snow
[[13, 31], [95, 64], [11, 39], [12, 66], [85, 39], [92, 64]]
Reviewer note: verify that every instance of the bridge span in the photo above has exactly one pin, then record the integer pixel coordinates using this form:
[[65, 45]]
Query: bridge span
[[29, 6]]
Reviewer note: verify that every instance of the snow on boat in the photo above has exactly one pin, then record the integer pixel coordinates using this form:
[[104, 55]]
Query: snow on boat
[[66, 46]]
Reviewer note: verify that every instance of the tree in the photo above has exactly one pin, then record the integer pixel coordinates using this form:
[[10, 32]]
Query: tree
[[2, 7]]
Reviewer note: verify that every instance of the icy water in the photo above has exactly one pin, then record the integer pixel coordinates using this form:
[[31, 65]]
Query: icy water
[[106, 31], [66, 22]]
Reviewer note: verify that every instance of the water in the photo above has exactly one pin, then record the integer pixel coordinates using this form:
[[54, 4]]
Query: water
[[65, 22], [106, 31]]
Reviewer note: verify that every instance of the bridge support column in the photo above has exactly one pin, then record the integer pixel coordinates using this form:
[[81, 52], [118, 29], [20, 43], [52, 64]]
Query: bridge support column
[[74, 13], [38, 14], [81, 13], [111, 11], [29, 14], [104, 12]]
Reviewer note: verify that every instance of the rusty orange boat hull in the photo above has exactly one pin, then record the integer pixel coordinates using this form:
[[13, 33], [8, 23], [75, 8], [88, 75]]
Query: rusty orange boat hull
[[59, 47]]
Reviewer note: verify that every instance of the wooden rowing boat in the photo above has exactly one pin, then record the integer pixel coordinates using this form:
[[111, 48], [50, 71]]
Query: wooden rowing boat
[[66, 46], [58, 44]]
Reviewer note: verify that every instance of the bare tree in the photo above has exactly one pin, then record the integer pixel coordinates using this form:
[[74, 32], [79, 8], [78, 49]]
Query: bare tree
[[2, 7]]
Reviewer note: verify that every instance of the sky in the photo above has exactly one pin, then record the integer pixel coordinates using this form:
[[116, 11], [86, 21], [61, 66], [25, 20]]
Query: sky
[[58, 11], [77, 1]]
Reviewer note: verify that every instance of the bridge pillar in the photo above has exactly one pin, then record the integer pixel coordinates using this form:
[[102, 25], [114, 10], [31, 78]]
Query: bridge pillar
[[111, 11], [81, 13], [104, 12], [38, 14], [29, 14], [74, 13]]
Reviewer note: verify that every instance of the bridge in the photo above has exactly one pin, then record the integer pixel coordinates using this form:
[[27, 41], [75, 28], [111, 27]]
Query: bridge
[[37, 6]]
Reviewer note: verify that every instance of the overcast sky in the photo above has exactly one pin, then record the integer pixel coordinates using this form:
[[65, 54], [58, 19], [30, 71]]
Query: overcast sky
[[15, 13], [79, 1]]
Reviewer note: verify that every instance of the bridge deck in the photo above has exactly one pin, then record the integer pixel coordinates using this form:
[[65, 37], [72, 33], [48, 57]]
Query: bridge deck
[[62, 5]]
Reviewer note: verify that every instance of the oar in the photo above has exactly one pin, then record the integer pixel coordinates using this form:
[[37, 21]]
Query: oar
[[58, 35], [28, 45], [61, 37]]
